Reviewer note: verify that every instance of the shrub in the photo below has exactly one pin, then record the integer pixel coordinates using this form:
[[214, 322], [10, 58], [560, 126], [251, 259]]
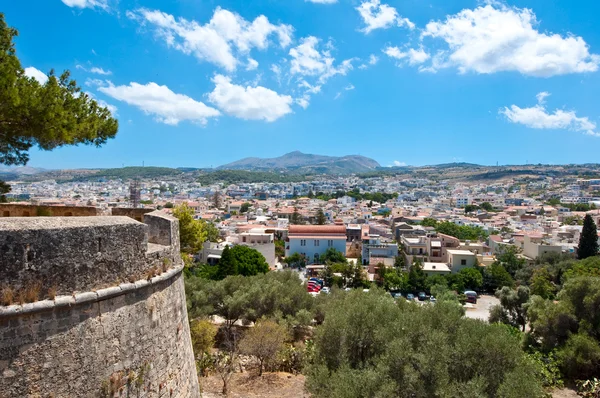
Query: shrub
[[8, 295]]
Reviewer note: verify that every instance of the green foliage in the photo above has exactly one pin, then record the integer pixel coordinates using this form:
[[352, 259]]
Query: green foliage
[[321, 219], [429, 222], [370, 347], [229, 177], [274, 294], [470, 279], [579, 206], [462, 232], [245, 207], [264, 341], [295, 260], [589, 388], [203, 335], [588, 242], [588, 267], [580, 357], [487, 206], [512, 309], [416, 278], [548, 367], [471, 208], [128, 173], [541, 283], [49, 115], [508, 257], [394, 279], [333, 256], [193, 233], [241, 260], [352, 275], [280, 248]]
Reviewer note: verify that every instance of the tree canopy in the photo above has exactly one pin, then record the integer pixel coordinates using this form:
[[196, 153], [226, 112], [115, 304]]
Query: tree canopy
[[48, 115], [370, 347]]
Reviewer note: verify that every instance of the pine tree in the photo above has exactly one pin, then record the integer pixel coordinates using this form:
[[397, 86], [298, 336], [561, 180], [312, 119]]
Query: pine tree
[[321, 219], [588, 242], [46, 115]]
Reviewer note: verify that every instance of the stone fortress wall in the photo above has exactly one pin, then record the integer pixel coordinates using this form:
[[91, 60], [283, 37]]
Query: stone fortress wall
[[33, 210], [117, 324]]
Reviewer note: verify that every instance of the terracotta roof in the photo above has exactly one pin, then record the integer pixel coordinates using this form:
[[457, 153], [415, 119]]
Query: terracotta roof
[[317, 229]]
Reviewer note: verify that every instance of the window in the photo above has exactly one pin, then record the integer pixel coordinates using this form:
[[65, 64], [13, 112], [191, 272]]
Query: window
[[463, 262], [316, 243], [330, 243], [302, 242]]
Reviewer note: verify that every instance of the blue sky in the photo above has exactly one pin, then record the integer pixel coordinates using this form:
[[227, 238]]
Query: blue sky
[[200, 83]]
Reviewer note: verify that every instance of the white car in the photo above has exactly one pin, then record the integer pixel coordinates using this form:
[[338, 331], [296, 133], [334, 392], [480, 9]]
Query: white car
[[326, 290]]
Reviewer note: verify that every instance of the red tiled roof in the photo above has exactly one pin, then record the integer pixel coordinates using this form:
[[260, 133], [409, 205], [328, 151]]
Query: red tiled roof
[[317, 229]]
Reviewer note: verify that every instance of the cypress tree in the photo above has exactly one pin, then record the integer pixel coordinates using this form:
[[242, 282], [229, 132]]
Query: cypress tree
[[588, 242]]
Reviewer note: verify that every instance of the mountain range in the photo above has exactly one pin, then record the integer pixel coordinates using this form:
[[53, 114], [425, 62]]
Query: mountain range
[[304, 163]]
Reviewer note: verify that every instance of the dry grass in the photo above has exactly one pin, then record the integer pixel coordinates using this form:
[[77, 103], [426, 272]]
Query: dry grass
[[31, 292], [52, 292], [8, 295], [151, 273]]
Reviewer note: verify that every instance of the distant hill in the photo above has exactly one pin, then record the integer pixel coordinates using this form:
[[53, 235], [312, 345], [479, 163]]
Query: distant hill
[[303, 163], [126, 173]]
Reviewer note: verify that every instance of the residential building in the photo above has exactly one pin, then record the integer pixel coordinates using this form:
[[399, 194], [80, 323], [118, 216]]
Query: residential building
[[373, 247], [312, 241], [460, 259]]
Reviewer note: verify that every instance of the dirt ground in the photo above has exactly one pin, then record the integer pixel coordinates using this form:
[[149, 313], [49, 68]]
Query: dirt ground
[[283, 385], [250, 385], [564, 393], [481, 310]]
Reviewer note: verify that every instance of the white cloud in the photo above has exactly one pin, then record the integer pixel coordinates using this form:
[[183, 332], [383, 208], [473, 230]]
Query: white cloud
[[495, 38], [322, 1], [373, 59], [168, 107], [307, 60], [303, 101], [252, 64], [253, 103], [103, 4], [397, 163], [380, 16], [100, 71], [36, 74], [349, 87], [94, 69], [310, 89], [537, 117], [217, 41], [414, 57], [541, 97]]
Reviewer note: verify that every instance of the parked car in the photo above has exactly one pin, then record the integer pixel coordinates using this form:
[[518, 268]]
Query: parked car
[[471, 296], [422, 296], [397, 296], [410, 296], [432, 299], [326, 290]]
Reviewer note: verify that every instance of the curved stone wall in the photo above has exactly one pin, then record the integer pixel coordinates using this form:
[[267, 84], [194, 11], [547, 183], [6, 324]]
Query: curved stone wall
[[125, 340]]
